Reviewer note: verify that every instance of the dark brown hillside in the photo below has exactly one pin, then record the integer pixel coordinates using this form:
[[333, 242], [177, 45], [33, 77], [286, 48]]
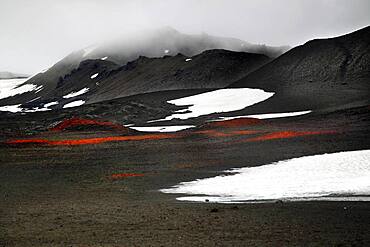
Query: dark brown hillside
[[343, 60]]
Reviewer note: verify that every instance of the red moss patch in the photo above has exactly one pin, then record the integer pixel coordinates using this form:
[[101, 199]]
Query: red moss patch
[[212, 133], [245, 132], [75, 142], [76, 122], [125, 175], [26, 141], [215, 133], [287, 134], [238, 122]]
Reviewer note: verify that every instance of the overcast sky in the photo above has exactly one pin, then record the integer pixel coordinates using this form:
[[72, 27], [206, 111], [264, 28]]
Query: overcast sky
[[34, 34]]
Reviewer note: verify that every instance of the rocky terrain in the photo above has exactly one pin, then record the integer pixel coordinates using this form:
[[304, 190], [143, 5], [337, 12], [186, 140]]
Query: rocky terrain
[[84, 176]]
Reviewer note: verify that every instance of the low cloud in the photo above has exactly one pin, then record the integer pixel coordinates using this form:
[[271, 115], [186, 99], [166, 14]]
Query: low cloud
[[35, 34]]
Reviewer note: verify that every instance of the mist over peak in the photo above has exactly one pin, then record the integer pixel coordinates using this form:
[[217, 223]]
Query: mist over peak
[[152, 43], [169, 41]]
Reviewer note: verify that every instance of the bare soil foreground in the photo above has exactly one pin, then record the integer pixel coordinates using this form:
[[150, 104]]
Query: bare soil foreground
[[86, 181]]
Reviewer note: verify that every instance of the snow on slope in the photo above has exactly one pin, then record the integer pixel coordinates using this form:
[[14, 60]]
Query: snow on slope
[[163, 128], [51, 103], [267, 116], [74, 94], [94, 75], [11, 87], [74, 104], [222, 100], [18, 108]]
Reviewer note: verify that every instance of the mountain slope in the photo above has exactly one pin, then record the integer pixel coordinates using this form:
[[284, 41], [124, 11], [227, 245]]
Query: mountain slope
[[323, 72], [97, 80], [211, 69]]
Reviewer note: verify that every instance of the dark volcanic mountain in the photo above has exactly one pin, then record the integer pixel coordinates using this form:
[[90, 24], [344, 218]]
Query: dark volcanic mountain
[[107, 80], [323, 72], [211, 69], [156, 43]]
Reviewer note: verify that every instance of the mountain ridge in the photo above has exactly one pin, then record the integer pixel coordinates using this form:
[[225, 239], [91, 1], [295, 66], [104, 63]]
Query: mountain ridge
[[154, 43], [324, 72], [103, 80]]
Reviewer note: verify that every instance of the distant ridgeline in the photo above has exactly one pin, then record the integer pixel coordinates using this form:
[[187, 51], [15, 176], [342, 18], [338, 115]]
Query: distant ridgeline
[[10, 75]]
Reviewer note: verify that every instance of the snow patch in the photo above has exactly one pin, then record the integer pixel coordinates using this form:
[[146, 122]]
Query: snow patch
[[182, 110], [103, 58], [51, 103], [38, 89], [222, 100], [94, 76], [336, 175], [32, 100], [18, 108], [11, 108], [163, 128], [267, 116], [188, 59], [166, 51], [74, 94], [11, 87], [74, 104]]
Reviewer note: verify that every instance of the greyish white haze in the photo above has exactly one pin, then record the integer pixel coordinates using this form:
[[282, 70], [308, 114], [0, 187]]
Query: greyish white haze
[[35, 34]]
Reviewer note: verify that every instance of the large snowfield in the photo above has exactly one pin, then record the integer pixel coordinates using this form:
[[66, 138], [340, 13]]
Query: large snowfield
[[314, 177], [222, 100]]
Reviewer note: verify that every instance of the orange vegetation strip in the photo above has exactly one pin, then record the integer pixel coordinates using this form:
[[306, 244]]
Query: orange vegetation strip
[[287, 134], [238, 122], [212, 133], [91, 140], [215, 133], [125, 175], [72, 122]]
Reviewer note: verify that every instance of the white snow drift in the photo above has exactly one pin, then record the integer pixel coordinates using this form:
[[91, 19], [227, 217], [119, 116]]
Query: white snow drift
[[11, 108], [11, 87], [94, 75], [163, 128], [268, 115], [335, 175], [222, 100], [18, 108], [51, 103], [32, 100], [74, 104], [74, 94]]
